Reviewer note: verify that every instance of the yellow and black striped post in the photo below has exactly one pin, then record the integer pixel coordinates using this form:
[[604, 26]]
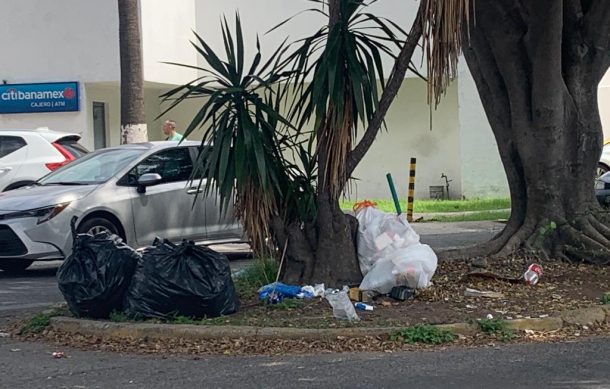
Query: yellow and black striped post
[[411, 190]]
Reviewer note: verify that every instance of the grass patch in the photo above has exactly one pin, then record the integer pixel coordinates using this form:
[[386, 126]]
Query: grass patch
[[260, 273], [496, 328], [286, 304], [39, 322], [118, 317], [36, 324], [473, 217], [422, 334], [435, 206], [606, 298]]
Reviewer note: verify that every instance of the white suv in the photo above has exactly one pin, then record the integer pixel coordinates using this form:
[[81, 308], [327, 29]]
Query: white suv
[[27, 155]]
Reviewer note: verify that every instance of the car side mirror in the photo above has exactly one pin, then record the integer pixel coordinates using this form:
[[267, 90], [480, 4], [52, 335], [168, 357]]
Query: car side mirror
[[146, 180]]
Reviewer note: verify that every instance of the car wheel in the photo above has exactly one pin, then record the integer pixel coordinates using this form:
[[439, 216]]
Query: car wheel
[[14, 265], [601, 170], [97, 225]]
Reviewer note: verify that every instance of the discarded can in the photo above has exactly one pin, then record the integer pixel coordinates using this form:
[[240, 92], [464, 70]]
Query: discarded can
[[533, 273], [363, 307]]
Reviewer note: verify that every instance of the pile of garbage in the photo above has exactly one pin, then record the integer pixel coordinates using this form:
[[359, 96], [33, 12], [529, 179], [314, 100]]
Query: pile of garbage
[[339, 300], [104, 275], [392, 260], [390, 253]]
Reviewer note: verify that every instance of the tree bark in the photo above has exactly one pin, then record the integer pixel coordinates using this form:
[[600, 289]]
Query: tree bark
[[537, 72], [133, 119]]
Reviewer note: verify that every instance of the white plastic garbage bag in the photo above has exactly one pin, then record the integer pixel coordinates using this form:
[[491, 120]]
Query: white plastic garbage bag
[[342, 306], [381, 233], [412, 266]]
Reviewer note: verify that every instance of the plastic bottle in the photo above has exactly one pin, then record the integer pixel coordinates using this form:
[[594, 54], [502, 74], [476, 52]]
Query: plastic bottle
[[533, 273], [363, 307]]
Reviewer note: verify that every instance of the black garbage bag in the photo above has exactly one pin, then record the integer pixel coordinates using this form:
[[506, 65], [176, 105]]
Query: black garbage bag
[[95, 277], [181, 280]]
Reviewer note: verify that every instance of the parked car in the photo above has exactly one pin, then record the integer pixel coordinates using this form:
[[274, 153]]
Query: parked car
[[138, 191], [27, 155], [602, 189]]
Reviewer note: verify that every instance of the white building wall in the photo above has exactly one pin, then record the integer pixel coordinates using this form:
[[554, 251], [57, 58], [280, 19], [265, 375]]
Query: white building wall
[[59, 40], [409, 135], [603, 98], [167, 29], [259, 16], [482, 171]]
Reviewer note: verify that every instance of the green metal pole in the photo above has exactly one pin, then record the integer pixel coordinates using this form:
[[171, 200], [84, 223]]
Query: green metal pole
[[394, 195]]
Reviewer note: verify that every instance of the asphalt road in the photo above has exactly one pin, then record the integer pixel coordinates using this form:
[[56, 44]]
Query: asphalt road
[[585, 364], [36, 287]]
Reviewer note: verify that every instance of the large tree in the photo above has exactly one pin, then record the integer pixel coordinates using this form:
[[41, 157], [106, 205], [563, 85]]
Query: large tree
[[133, 119], [537, 65]]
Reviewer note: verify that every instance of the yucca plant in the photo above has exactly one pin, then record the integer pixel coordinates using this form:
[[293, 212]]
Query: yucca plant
[[286, 172], [336, 73], [241, 157]]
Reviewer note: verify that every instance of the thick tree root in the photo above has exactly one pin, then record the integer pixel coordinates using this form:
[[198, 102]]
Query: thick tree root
[[585, 239]]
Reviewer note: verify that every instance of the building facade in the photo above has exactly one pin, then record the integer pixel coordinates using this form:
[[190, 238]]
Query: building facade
[[77, 41]]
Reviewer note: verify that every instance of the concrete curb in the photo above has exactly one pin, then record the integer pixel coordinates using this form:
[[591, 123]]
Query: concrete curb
[[585, 316]]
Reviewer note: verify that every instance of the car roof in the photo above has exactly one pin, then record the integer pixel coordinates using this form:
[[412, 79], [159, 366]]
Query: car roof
[[156, 145], [44, 132]]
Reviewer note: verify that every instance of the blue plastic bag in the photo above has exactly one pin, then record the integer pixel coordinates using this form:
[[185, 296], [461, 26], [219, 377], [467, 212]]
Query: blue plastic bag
[[283, 290]]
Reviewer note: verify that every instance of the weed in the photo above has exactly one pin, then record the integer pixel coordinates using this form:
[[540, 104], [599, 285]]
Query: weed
[[262, 272], [497, 328], [36, 324], [39, 322], [423, 334], [118, 317], [286, 304], [606, 298]]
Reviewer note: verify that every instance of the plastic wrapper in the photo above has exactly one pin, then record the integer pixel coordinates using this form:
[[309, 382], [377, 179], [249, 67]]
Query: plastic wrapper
[[343, 308], [413, 266], [381, 233]]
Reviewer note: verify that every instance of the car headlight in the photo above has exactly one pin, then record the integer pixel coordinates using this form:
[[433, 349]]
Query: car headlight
[[43, 214], [599, 185]]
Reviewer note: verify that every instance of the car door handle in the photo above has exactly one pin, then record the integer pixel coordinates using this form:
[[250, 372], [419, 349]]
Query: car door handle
[[193, 191], [5, 169]]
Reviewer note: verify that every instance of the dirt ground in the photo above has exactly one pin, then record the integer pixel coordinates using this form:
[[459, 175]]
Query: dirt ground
[[561, 287]]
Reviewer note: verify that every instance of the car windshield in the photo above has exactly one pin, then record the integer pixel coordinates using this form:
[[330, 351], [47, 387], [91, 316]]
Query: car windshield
[[92, 169]]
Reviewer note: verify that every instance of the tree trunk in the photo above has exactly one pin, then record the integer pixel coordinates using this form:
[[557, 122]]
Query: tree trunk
[[538, 78], [133, 120], [321, 251], [325, 249]]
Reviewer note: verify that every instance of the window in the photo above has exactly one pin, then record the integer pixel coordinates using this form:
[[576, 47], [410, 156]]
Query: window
[[10, 144], [94, 168], [172, 165], [195, 152], [74, 148]]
